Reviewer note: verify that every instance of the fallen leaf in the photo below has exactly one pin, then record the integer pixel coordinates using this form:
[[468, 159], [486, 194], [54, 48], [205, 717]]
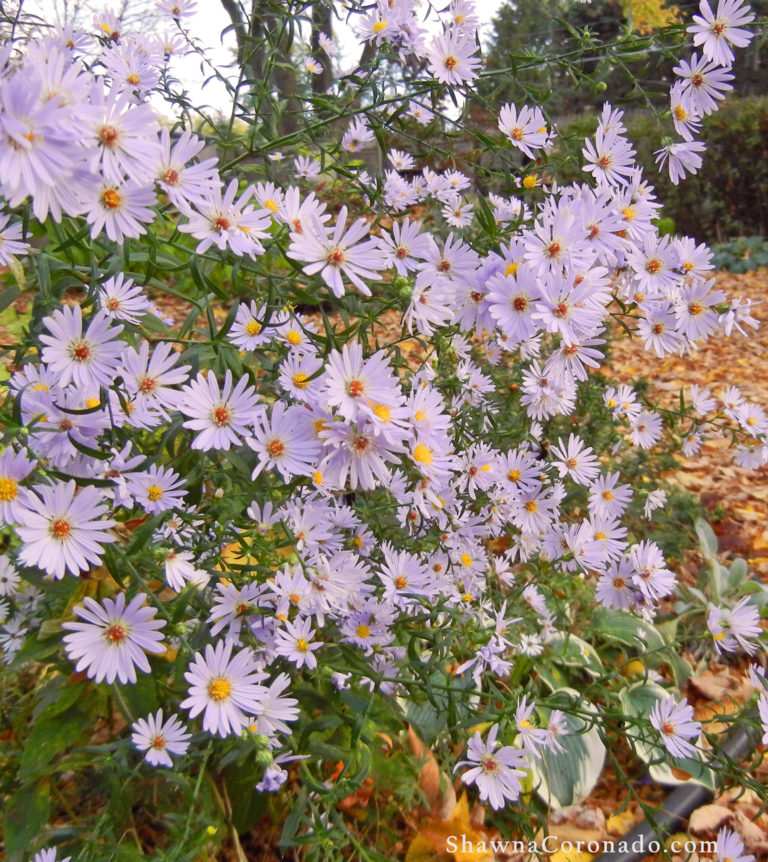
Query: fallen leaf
[[709, 818]]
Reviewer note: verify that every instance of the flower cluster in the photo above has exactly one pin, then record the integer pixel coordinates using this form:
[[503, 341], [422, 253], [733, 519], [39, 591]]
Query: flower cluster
[[287, 489]]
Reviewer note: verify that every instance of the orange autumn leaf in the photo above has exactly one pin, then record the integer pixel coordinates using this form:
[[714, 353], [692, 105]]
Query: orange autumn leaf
[[431, 842]]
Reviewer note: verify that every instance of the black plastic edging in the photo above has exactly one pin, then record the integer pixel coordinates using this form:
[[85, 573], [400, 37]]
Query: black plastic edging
[[680, 803]]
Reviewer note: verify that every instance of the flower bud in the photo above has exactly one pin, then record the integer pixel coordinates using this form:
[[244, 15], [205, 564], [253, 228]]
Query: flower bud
[[264, 757]]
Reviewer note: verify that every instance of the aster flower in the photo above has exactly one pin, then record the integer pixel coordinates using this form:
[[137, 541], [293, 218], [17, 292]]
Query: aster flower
[[696, 318], [703, 82], [730, 847], [112, 640], [185, 183], [576, 460], [89, 359], [405, 246], [157, 489], [306, 167], [177, 9], [130, 69], [226, 688], [150, 379], [730, 627], [180, 571], [658, 328], [10, 241], [36, 153], [121, 136], [611, 159], [285, 441], [160, 738], [61, 531], [9, 577], [220, 416], [232, 606], [295, 642], [14, 468], [608, 498], [682, 158], [451, 58], [615, 588], [228, 223], [300, 376], [338, 253], [526, 128], [277, 708], [496, 773], [121, 209], [357, 134], [121, 299], [50, 854], [355, 386], [674, 721], [250, 330], [651, 575], [655, 500], [645, 429], [420, 113], [717, 31], [511, 300]]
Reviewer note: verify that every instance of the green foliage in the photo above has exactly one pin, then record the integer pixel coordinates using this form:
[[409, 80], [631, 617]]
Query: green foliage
[[729, 195], [744, 254]]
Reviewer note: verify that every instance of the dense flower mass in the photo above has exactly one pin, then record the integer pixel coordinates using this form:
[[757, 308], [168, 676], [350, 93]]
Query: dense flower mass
[[365, 467]]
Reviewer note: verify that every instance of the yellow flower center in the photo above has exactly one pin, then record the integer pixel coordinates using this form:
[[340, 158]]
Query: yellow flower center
[[154, 493], [362, 631], [8, 490], [293, 337], [383, 412], [379, 26], [219, 689], [422, 454], [253, 327], [529, 182], [511, 269], [300, 380], [302, 645], [271, 205]]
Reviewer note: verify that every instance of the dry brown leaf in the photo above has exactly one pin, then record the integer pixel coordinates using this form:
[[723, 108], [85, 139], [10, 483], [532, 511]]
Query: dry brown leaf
[[709, 818]]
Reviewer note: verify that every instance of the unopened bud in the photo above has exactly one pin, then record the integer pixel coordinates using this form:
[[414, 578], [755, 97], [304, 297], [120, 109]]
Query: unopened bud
[[264, 757]]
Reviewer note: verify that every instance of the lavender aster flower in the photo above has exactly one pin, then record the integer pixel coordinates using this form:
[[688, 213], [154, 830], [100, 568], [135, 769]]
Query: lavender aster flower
[[160, 738], [337, 253], [62, 531], [14, 467], [674, 721], [497, 774], [88, 360], [221, 416], [226, 688], [112, 640]]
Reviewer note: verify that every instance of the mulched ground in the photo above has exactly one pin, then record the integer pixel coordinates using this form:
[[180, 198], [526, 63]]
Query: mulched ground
[[712, 474]]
